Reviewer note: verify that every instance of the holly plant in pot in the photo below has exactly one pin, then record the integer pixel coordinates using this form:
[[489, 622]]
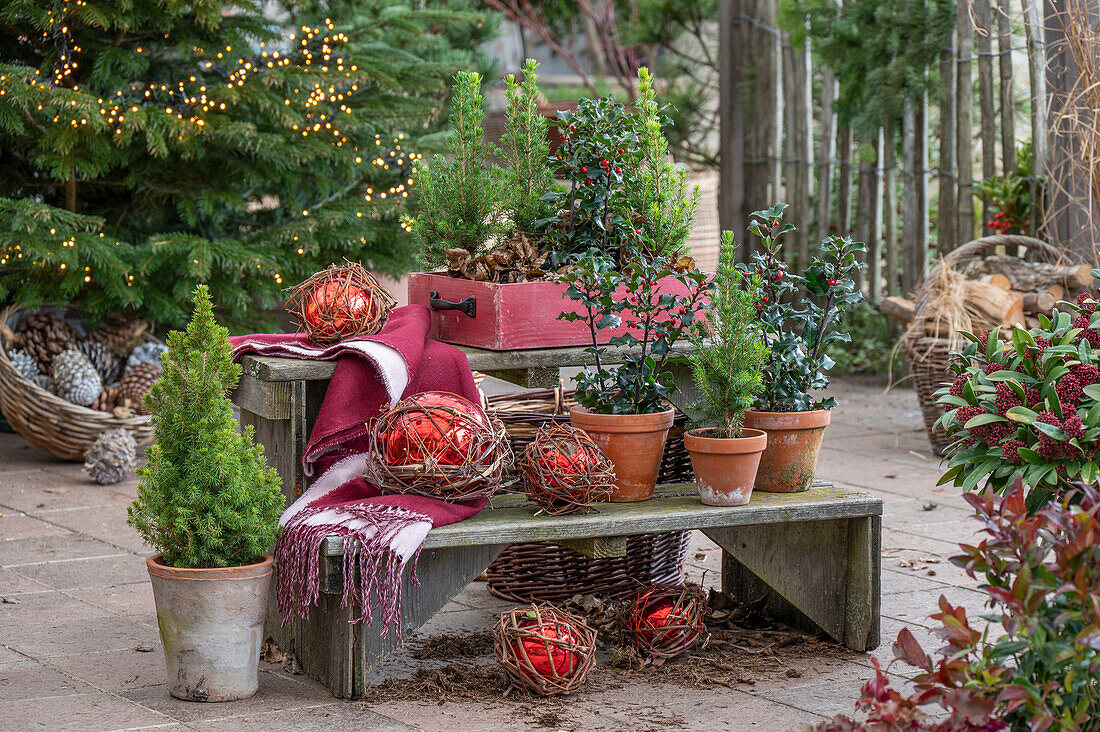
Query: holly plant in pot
[[798, 314], [727, 364], [209, 504], [1027, 407], [623, 408]]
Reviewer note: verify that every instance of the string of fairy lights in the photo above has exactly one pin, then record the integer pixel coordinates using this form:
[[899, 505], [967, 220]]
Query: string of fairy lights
[[323, 102]]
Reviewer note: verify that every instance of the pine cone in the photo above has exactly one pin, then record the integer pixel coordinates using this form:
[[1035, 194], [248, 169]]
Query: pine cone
[[105, 361], [28, 367], [120, 335], [44, 335], [146, 353], [111, 456], [75, 378], [135, 383], [106, 400]]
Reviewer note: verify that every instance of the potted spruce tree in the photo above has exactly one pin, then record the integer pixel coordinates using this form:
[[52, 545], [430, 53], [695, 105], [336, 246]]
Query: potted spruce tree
[[623, 408], [209, 504], [797, 316], [727, 365]]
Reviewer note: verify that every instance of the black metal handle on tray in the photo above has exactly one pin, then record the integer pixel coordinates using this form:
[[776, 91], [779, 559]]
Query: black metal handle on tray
[[468, 306]]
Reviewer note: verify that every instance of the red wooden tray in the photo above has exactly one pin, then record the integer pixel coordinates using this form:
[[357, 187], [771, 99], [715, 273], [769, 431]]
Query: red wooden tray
[[506, 317]]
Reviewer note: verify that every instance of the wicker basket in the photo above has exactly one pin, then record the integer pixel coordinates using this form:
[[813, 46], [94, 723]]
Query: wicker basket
[[542, 571], [47, 421], [929, 356]]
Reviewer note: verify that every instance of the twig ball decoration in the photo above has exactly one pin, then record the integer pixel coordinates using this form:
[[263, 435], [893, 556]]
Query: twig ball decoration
[[544, 649], [440, 445], [342, 301], [564, 471], [663, 622]]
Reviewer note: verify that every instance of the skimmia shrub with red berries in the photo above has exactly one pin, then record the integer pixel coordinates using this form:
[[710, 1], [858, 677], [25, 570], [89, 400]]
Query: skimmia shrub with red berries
[[1027, 406], [798, 314], [1038, 671], [640, 286]]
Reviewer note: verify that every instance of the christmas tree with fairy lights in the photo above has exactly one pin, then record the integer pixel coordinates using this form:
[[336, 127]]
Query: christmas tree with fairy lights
[[146, 146]]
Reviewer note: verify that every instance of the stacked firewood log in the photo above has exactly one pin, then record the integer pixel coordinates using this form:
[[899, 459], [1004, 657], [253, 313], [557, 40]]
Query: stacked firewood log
[[998, 291]]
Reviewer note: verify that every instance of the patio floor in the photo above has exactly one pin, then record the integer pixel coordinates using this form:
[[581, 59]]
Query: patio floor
[[79, 647]]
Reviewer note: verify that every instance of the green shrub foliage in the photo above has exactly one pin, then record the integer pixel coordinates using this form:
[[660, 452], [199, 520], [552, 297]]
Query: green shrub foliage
[[209, 141], [461, 198], [207, 497], [526, 151], [729, 348]]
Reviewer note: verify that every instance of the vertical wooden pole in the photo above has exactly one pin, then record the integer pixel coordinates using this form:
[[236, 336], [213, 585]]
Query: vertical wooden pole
[[732, 54], [826, 153], [1008, 103], [964, 87], [867, 154], [844, 181], [947, 189], [984, 34], [771, 94], [890, 204], [799, 144], [874, 273], [910, 200], [1037, 87], [806, 137], [924, 218]]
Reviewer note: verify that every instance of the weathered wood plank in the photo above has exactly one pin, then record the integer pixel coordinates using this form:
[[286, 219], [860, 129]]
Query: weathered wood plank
[[284, 440], [837, 592], [673, 513], [268, 368], [267, 399]]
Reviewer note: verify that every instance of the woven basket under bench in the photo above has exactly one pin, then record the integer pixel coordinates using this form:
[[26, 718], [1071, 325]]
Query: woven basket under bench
[[539, 571]]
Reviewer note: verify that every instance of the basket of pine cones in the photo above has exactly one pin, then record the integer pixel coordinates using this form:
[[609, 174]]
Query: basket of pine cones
[[62, 383]]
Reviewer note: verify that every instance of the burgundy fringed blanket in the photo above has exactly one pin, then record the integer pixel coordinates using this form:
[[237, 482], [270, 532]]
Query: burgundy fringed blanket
[[381, 533]]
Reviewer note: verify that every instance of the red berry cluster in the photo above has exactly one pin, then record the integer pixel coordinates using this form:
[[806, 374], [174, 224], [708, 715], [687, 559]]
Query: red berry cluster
[[1006, 399], [1002, 222]]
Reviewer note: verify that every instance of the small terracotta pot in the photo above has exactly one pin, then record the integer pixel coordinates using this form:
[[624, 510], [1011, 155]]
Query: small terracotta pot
[[725, 468], [633, 442], [211, 624], [794, 441]]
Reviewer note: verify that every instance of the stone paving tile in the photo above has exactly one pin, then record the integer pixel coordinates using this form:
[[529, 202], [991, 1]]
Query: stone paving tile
[[18, 525], [895, 581], [92, 712], [36, 607], [276, 691], [9, 656], [333, 716], [42, 549], [21, 680], [106, 523], [49, 639], [79, 573], [116, 670], [135, 598], [14, 584], [39, 492], [455, 717], [661, 706]]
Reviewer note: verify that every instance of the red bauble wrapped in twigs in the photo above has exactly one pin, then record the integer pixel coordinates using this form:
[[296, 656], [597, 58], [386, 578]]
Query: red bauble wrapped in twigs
[[663, 622], [545, 649], [342, 301], [441, 445], [564, 471]]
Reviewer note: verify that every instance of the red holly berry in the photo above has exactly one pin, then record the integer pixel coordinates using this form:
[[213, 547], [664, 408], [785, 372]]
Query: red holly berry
[[604, 163], [584, 168], [621, 150], [573, 128], [764, 299], [779, 275], [618, 170], [831, 283]]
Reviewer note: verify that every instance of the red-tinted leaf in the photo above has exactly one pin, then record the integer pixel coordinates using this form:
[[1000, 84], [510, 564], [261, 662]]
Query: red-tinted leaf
[[909, 650]]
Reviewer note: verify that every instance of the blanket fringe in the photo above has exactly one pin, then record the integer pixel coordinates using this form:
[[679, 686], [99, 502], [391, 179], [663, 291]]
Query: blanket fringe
[[371, 535]]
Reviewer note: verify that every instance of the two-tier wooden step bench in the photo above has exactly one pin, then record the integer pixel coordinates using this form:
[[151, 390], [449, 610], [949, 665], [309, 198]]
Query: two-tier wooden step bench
[[815, 556]]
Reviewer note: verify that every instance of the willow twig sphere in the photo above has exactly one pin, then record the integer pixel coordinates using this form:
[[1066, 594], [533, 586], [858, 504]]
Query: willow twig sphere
[[564, 471], [544, 649], [663, 622], [342, 301], [440, 445]]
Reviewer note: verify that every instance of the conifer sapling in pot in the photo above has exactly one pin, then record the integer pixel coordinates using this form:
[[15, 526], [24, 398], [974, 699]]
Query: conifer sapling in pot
[[209, 504], [622, 408], [727, 364], [797, 315]]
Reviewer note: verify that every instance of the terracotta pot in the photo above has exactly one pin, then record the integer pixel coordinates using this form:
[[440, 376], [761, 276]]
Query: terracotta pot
[[211, 624], [633, 442], [725, 468], [794, 441]]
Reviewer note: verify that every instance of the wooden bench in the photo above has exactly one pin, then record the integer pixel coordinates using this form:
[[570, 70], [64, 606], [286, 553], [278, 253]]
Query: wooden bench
[[815, 555]]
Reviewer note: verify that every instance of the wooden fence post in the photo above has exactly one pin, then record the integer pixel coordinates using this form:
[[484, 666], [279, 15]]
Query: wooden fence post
[[732, 53], [1008, 102], [1037, 85], [947, 189], [964, 81], [826, 153], [890, 204], [984, 33], [844, 181], [910, 200]]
